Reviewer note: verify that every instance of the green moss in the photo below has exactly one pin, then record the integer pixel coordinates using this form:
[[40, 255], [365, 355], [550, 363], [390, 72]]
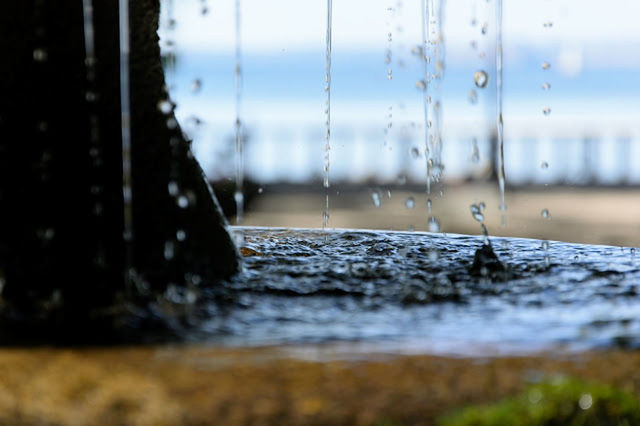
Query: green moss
[[557, 402]]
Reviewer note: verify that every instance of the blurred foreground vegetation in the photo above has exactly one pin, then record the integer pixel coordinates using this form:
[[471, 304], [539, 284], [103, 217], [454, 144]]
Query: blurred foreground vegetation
[[561, 401]]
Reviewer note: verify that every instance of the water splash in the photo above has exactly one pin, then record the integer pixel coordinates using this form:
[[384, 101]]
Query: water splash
[[499, 119], [239, 192], [327, 88], [125, 111]]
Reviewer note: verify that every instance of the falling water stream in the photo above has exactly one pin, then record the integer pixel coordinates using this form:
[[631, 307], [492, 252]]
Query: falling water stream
[[125, 110], [95, 148], [499, 120], [327, 88], [424, 59], [432, 15], [239, 191]]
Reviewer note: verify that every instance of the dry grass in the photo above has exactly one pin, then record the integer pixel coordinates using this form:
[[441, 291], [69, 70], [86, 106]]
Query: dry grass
[[165, 386]]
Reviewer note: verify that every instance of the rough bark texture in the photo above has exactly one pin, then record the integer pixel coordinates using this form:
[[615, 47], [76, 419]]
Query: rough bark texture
[[61, 203]]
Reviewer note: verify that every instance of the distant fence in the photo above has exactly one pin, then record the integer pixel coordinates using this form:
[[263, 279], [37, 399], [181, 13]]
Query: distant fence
[[576, 152]]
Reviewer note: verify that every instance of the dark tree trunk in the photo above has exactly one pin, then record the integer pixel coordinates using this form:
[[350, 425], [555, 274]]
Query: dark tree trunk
[[61, 185]]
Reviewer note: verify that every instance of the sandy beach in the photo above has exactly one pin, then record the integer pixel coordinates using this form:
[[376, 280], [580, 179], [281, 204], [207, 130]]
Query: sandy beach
[[576, 214]]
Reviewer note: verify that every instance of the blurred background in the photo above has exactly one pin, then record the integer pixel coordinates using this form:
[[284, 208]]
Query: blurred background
[[571, 113]]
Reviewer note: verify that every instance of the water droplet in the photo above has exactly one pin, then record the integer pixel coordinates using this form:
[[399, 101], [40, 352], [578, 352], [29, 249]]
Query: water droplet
[[191, 196], [173, 188], [183, 202], [260, 190], [193, 122], [485, 28], [389, 75], [546, 86], [410, 203], [196, 85], [388, 193], [40, 55], [585, 401], [126, 194], [433, 255], [545, 213], [46, 234], [481, 206], [546, 65], [546, 110], [473, 96], [387, 57], [172, 123], [474, 44], [91, 96], [421, 84], [196, 279], [181, 235], [545, 245], [165, 106], [375, 197], [481, 78], [476, 212], [429, 204], [475, 151], [544, 165], [42, 126], [548, 24], [415, 152], [204, 10], [434, 225], [169, 250], [535, 396]]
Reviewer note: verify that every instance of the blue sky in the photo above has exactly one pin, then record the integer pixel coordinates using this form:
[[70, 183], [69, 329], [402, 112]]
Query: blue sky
[[291, 24]]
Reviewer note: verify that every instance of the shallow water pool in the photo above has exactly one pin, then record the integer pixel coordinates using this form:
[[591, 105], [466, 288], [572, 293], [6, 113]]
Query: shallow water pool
[[401, 292]]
